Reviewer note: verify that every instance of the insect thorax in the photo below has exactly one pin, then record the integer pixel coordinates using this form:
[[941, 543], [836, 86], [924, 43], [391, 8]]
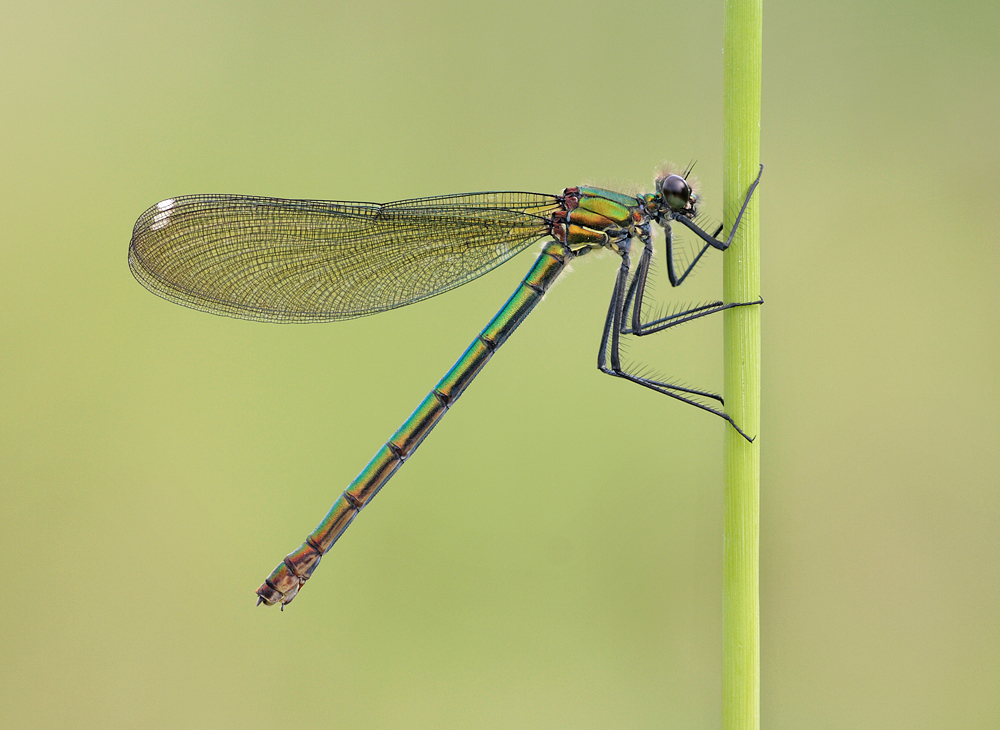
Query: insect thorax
[[593, 218]]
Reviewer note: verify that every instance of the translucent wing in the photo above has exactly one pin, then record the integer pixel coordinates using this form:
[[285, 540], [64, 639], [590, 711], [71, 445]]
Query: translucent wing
[[280, 260]]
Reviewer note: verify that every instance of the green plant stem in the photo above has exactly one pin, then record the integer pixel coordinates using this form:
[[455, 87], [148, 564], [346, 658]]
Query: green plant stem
[[741, 274]]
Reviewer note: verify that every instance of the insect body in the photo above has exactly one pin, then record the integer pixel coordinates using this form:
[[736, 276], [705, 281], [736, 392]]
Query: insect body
[[278, 260]]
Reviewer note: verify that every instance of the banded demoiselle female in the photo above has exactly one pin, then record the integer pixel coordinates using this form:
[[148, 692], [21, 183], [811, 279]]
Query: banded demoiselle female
[[277, 260]]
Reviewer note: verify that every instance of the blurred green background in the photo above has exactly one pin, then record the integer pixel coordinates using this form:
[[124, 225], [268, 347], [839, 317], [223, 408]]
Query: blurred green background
[[551, 558]]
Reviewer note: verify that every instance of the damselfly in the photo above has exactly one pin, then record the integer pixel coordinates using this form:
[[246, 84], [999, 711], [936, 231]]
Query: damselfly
[[279, 260]]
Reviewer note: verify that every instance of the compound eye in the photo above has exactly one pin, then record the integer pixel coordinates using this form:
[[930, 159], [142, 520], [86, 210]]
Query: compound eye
[[676, 192]]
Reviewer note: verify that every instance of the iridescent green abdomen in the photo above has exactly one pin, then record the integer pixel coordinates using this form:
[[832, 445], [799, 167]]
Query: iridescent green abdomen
[[286, 580]]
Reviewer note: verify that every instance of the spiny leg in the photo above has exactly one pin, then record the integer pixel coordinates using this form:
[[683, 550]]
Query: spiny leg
[[611, 341], [637, 288], [628, 297], [712, 240], [640, 328], [633, 301]]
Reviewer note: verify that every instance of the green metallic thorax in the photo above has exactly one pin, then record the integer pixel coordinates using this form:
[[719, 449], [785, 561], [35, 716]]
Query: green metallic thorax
[[598, 218]]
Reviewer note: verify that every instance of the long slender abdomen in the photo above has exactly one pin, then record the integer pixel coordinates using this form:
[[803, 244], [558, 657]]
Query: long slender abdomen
[[287, 579]]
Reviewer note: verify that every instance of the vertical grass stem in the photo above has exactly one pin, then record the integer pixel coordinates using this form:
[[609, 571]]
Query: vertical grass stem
[[741, 273]]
